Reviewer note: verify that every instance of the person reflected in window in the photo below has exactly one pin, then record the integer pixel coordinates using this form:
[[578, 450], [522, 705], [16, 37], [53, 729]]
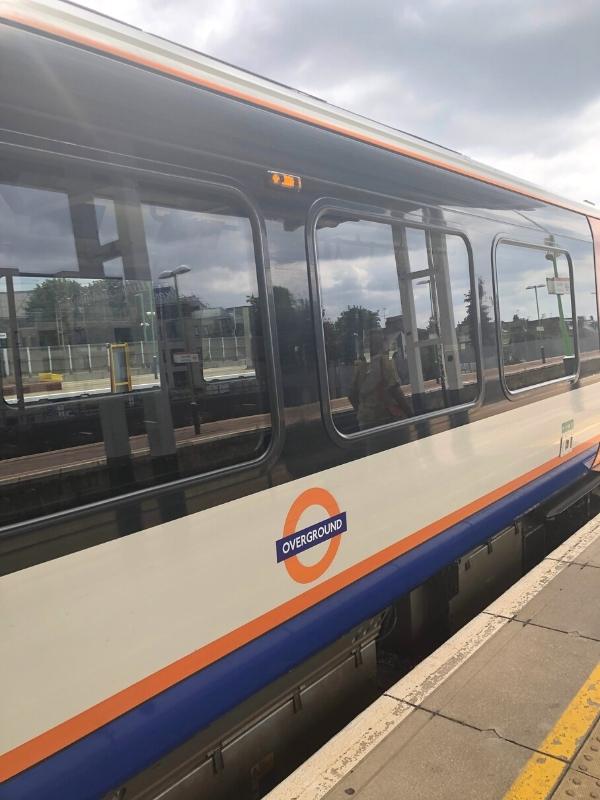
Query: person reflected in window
[[376, 395]]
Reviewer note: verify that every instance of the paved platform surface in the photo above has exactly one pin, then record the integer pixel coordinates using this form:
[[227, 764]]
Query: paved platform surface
[[507, 708]]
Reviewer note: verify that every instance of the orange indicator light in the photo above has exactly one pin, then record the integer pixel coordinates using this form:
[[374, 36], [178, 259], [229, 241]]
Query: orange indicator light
[[285, 181]]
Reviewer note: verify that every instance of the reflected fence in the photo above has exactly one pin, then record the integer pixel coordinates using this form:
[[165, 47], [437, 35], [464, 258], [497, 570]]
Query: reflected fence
[[227, 350], [89, 360], [72, 362]]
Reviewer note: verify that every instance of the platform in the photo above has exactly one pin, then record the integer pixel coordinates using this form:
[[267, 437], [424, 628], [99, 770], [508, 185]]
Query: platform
[[507, 708]]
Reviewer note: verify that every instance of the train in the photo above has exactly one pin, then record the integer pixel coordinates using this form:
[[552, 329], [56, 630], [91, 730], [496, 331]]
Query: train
[[267, 367]]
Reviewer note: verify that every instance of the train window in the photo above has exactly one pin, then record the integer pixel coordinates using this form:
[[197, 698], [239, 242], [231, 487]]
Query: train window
[[398, 320], [535, 315], [131, 346], [207, 297]]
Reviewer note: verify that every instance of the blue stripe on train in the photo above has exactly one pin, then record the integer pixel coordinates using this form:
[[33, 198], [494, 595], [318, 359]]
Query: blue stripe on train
[[106, 758]]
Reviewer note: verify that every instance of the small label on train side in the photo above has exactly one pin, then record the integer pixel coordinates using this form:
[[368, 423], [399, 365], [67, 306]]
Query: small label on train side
[[309, 537], [567, 438]]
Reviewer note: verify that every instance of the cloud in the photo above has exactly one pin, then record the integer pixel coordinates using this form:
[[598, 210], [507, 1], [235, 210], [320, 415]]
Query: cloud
[[571, 167], [510, 82]]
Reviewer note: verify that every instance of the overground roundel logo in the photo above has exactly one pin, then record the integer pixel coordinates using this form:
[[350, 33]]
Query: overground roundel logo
[[296, 541]]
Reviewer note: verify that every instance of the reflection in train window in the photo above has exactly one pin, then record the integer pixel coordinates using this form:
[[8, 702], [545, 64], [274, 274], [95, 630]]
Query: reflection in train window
[[203, 269], [131, 348], [36, 234], [398, 321], [534, 288], [76, 337]]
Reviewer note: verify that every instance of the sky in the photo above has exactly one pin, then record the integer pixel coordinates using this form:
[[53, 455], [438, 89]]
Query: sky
[[512, 83]]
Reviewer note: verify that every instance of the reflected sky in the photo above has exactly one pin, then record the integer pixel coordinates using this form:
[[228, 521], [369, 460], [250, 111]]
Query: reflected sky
[[217, 248], [357, 266], [36, 236], [520, 267], [356, 258], [36, 233]]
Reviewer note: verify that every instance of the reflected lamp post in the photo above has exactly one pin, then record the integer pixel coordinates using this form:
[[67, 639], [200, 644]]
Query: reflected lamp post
[[167, 274], [535, 287], [173, 274], [144, 323]]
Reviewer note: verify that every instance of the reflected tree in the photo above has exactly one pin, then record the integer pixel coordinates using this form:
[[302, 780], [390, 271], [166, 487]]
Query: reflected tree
[[52, 296], [469, 323], [295, 334], [350, 333]]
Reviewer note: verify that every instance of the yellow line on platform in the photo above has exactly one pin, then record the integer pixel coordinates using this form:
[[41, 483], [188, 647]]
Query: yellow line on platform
[[541, 773]]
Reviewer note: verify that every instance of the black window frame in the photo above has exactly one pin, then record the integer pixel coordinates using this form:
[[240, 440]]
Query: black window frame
[[514, 394], [360, 212], [45, 158]]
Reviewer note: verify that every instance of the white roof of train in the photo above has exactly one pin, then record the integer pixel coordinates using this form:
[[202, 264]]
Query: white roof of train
[[103, 33]]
